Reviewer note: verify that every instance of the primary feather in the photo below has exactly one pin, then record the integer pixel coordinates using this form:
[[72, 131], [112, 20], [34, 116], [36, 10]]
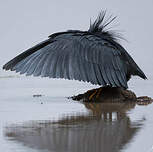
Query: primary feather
[[92, 56]]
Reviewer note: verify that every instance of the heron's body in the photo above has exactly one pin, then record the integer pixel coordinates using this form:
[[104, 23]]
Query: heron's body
[[91, 56]]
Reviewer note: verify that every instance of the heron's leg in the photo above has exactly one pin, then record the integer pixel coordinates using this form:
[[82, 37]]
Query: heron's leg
[[98, 93], [91, 96]]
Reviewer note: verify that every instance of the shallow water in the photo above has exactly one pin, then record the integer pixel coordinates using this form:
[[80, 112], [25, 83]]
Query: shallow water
[[35, 115]]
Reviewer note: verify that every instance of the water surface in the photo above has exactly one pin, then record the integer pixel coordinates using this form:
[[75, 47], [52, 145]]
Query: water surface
[[35, 115]]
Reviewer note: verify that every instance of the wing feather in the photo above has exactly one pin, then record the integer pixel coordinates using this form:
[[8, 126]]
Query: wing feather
[[38, 69], [78, 57], [52, 66], [115, 79], [95, 74], [81, 69], [45, 72], [66, 65], [30, 67], [19, 66], [28, 63], [120, 72]]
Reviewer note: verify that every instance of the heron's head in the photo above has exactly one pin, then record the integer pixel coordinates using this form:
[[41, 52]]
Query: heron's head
[[100, 27]]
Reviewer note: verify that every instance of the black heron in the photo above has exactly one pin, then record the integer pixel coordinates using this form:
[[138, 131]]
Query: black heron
[[93, 56]]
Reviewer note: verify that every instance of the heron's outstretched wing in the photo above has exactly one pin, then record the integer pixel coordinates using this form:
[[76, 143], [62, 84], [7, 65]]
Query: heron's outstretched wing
[[73, 56]]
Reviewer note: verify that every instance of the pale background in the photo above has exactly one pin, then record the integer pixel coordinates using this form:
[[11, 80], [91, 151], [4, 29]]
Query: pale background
[[25, 23]]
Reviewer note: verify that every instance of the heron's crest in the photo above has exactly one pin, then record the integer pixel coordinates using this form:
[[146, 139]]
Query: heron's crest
[[100, 25]]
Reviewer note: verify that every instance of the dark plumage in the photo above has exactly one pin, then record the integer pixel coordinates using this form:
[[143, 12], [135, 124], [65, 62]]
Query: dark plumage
[[93, 56]]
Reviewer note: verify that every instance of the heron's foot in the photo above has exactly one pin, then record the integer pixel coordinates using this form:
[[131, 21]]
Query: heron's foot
[[144, 100], [92, 95], [98, 93], [95, 94]]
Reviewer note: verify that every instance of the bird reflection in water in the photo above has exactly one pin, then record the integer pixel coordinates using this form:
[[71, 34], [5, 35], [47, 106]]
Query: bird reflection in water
[[105, 127]]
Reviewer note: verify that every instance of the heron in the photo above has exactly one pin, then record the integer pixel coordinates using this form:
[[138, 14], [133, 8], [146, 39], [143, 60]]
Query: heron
[[94, 56]]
